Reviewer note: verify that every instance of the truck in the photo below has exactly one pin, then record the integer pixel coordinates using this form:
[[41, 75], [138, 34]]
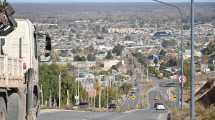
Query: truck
[[19, 60]]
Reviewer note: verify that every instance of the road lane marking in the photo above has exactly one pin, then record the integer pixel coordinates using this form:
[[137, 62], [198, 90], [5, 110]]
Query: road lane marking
[[45, 111], [162, 116], [130, 111]]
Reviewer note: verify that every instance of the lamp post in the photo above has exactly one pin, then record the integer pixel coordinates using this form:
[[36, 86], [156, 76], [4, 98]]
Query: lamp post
[[192, 74], [181, 73]]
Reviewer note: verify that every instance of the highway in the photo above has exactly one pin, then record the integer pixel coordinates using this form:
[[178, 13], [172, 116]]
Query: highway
[[144, 114], [130, 115], [135, 114]]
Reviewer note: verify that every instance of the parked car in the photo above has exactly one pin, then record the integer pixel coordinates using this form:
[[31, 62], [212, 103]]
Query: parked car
[[112, 107], [83, 105]]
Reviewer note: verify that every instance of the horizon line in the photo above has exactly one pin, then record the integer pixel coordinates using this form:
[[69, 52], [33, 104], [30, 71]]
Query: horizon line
[[42, 2]]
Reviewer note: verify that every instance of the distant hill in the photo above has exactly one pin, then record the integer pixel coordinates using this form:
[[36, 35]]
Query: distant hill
[[35, 11]]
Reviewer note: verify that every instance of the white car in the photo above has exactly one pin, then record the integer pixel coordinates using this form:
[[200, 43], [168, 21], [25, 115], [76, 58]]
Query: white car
[[159, 107]]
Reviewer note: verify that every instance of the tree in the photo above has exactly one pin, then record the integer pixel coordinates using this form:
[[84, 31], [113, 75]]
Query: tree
[[125, 88], [79, 58], [169, 43], [162, 53], [91, 57], [127, 37], [109, 55], [171, 62], [187, 73], [49, 76], [98, 92], [118, 49], [210, 49]]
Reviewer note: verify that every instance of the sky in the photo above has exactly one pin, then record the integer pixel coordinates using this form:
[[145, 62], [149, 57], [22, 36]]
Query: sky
[[54, 1]]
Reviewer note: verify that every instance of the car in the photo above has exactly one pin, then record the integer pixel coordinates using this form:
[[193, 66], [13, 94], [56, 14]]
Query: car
[[132, 92], [156, 99], [159, 107], [83, 105], [112, 107], [134, 89]]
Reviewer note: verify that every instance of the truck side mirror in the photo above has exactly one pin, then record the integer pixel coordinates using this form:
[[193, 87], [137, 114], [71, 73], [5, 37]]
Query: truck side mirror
[[48, 43], [2, 43], [2, 2], [48, 46]]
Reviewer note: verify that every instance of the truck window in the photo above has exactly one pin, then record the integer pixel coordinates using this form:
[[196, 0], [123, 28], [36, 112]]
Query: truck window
[[20, 47], [2, 43], [35, 45]]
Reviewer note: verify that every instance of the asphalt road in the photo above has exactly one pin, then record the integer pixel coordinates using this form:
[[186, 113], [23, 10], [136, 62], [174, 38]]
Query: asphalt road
[[147, 114], [131, 115], [128, 102]]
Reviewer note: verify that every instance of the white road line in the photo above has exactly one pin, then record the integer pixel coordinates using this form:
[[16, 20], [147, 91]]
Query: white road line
[[130, 111], [57, 110], [162, 116]]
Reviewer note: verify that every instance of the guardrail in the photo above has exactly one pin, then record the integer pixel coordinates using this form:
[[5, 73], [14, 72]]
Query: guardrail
[[11, 71]]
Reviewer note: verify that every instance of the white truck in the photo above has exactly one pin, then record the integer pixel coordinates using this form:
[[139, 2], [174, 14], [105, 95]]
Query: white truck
[[19, 89]]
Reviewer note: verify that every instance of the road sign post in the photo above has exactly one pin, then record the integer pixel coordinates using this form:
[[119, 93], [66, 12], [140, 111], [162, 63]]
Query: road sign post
[[182, 80]]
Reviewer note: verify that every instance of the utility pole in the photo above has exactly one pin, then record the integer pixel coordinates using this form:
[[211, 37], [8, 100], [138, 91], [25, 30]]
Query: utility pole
[[42, 98], [78, 84], [192, 74], [59, 90], [100, 92], [147, 73], [107, 95], [94, 101], [180, 55]]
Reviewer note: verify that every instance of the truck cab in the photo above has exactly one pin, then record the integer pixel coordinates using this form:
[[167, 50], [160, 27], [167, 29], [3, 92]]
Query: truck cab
[[19, 59]]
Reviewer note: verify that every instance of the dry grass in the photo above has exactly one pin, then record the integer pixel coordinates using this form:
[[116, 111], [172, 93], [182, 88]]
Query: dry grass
[[205, 113], [202, 113], [180, 115]]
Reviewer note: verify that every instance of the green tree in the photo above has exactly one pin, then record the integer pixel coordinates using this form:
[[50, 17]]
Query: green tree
[[91, 57], [79, 58], [162, 53], [125, 88], [49, 76], [109, 55], [118, 49]]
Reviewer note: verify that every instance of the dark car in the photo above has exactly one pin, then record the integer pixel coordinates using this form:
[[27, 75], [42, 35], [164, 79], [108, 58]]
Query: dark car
[[112, 107], [83, 105]]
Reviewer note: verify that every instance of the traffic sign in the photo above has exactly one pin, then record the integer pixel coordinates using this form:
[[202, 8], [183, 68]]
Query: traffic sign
[[174, 98], [133, 97], [182, 79]]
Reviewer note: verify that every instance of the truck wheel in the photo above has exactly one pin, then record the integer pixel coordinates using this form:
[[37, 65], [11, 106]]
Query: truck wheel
[[33, 114], [3, 112], [14, 107]]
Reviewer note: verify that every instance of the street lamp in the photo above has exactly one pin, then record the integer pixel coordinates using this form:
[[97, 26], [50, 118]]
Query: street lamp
[[192, 74], [181, 46]]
